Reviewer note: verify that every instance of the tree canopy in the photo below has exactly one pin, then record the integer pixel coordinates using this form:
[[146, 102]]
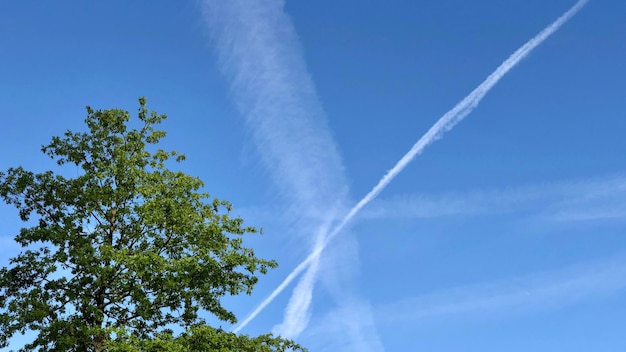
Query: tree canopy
[[118, 255]]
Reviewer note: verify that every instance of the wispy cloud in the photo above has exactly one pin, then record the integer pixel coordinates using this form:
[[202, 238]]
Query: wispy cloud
[[259, 52], [598, 198], [503, 299], [298, 311], [444, 124], [350, 325], [341, 327]]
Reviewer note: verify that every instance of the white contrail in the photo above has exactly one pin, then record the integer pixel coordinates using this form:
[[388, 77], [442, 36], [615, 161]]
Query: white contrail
[[298, 310], [444, 124], [259, 53]]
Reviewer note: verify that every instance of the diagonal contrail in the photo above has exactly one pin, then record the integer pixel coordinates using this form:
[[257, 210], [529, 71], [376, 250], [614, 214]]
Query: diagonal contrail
[[259, 53], [444, 124]]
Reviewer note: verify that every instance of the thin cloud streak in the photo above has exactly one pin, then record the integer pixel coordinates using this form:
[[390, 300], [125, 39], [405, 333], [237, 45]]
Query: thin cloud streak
[[298, 311], [522, 295], [444, 124], [589, 199], [563, 200], [259, 52], [340, 326]]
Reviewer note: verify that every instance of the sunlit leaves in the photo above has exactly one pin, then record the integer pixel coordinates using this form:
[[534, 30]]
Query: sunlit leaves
[[125, 248]]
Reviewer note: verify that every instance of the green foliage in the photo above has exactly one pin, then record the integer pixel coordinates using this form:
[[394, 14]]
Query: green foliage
[[202, 338], [123, 250]]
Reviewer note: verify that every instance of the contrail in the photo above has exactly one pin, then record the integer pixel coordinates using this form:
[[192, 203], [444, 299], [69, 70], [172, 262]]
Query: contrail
[[298, 310], [260, 56], [444, 124]]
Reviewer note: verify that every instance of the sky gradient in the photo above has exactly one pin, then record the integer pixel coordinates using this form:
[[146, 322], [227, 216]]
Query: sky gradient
[[505, 234]]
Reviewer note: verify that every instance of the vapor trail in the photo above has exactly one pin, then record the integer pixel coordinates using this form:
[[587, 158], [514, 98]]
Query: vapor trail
[[259, 54], [444, 124]]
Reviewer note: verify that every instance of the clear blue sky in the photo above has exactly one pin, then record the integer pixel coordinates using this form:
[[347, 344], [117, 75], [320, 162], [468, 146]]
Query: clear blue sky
[[507, 234]]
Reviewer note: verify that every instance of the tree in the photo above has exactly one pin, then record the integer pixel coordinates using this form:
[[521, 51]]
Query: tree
[[125, 250]]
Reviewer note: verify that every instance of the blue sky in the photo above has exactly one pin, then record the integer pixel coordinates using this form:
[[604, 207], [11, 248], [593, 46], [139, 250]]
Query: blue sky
[[505, 234]]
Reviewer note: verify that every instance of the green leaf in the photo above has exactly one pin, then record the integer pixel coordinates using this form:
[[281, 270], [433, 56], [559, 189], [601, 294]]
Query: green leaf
[[125, 250]]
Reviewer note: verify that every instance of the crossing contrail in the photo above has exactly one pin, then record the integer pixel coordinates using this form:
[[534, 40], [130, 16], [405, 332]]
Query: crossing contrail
[[444, 124], [260, 56]]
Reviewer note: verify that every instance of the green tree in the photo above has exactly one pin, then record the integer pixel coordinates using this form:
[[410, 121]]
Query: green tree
[[125, 250]]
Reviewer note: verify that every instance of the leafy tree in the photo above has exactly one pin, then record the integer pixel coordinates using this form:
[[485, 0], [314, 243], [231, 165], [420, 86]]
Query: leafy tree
[[125, 250]]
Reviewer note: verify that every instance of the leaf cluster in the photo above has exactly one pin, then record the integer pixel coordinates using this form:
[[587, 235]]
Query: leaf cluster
[[127, 246]]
